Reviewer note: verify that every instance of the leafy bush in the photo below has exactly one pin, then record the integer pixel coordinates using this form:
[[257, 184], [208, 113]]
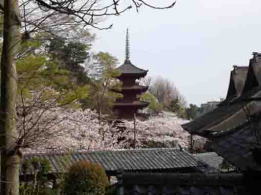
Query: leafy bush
[[30, 190], [111, 190], [154, 105], [39, 168], [85, 178]]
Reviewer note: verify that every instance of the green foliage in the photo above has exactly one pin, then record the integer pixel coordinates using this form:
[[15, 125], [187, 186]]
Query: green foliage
[[192, 111], [70, 56], [168, 96], [106, 59], [39, 73], [109, 63], [112, 190], [102, 96], [154, 104], [39, 165], [29, 190], [76, 52], [85, 178], [39, 168], [178, 108]]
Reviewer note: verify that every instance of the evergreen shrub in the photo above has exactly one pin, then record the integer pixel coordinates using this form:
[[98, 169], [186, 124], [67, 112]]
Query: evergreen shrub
[[85, 177]]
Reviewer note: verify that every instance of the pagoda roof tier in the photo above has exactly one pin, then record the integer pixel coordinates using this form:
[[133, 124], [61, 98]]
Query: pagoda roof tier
[[132, 88], [128, 69], [137, 104]]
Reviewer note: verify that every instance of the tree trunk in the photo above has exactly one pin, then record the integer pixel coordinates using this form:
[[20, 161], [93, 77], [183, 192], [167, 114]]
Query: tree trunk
[[10, 159]]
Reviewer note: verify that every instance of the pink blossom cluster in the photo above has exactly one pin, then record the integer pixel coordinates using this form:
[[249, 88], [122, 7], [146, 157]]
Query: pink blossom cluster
[[79, 130], [161, 131], [76, 130]]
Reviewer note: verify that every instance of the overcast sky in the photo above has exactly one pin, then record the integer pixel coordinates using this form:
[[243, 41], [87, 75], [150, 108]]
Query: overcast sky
[[195, 44]]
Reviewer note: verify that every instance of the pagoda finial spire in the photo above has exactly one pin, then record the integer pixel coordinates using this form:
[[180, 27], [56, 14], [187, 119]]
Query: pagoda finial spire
[[127, 49]]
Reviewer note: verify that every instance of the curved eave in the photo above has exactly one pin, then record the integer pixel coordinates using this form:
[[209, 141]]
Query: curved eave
[[133, 75], [231, 92], [132, 89], [128, 68], [251, 78], [202, 124], [237, 82], [138, 104]]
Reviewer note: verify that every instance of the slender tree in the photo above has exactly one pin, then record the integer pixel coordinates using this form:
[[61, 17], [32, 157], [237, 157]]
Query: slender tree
[[101, 96], [10, 157]]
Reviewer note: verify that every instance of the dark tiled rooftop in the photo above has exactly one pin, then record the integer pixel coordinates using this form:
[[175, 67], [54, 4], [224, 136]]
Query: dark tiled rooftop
[[254, 73], [127, 160], [232, 134], [134, 88], [206, 121], [212, 159], [237, 81], [236, 145], [182, 184], [131, 104], [232, 112], [129, 68]]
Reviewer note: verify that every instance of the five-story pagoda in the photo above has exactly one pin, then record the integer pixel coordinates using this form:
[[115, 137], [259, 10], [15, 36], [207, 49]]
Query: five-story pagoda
[[127, 106]]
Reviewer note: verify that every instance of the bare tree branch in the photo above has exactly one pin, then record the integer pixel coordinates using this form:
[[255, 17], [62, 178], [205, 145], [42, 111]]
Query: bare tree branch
[[52, 15]]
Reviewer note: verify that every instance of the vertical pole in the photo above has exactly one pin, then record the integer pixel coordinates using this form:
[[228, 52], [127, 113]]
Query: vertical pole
[[191, 143], [127, 49], [134, 128], [120, 187], [1, 176]]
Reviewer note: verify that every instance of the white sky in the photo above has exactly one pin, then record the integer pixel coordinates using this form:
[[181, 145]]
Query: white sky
[[195, 44]]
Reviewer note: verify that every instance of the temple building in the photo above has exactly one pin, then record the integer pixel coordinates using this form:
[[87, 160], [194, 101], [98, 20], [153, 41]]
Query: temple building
[[234, 127], [127, 106]]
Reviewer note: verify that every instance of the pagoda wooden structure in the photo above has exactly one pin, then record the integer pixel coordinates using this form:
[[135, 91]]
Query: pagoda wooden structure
[[127, 106]]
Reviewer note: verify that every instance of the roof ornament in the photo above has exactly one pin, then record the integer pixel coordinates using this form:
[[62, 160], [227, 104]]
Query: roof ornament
[[127, 47]]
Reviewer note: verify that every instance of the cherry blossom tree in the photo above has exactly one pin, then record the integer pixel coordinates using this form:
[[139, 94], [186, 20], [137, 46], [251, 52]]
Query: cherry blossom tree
[[74, 130], [78, 130]]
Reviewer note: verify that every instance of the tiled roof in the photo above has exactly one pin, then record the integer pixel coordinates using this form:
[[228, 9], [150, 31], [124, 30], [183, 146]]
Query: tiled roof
[[237, 82], [228, 116], [140, 104], [254, 73], [212, 159], [203, 123], [232, 111], [160, 159], [236, 145], [129, 68], [182, 184], [233, 136], [133, 88]]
